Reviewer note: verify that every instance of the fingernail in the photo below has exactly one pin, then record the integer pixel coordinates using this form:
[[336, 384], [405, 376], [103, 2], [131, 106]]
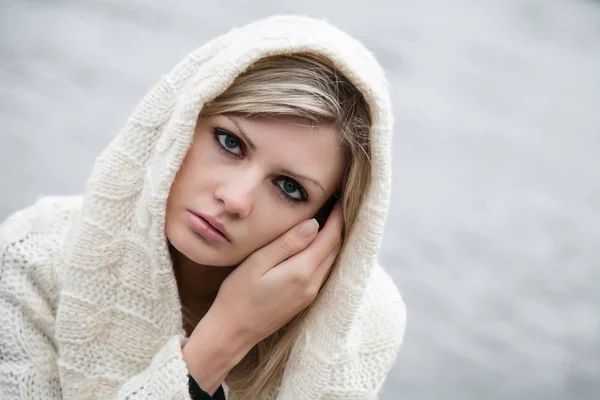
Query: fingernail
[[308, 228]]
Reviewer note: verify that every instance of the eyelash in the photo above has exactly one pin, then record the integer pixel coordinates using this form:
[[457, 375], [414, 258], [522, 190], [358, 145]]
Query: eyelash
[[219, 131]]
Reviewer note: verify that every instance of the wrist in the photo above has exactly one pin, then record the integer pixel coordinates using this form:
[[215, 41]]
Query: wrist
[[212, 351]]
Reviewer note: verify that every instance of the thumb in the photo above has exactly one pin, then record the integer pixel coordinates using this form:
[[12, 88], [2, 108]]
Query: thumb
[[285, 246]]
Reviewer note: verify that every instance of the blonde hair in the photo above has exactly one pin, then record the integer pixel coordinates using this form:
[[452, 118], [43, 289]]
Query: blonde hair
[[305, 86]]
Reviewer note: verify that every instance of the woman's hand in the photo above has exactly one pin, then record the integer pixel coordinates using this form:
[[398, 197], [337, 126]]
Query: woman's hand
[[261, 295]]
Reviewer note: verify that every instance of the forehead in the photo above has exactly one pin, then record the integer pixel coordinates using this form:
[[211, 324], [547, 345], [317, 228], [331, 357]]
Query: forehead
[[275, 133]]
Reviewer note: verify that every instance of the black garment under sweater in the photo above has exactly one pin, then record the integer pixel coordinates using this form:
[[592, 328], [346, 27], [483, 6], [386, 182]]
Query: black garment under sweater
[[197, 393]]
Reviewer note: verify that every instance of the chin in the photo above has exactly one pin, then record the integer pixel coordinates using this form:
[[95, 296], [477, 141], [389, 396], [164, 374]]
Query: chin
[[212, 260], [195, 249]]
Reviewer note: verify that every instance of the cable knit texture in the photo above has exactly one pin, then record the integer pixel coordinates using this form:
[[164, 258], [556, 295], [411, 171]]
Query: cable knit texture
[[88, 298]]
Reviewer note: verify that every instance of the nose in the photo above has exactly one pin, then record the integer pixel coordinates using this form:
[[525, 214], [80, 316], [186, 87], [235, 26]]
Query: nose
[[237, 195]]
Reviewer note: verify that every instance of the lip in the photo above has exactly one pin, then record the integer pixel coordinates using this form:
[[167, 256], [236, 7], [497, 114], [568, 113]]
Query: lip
[[208, 227]]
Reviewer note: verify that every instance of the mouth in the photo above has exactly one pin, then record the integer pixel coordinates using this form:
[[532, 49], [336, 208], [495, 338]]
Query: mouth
[[208, 227]]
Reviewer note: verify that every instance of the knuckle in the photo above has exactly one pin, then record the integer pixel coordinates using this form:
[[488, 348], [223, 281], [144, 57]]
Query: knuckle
[[311, 292], [289, 245], [309, 258], [302, 277]]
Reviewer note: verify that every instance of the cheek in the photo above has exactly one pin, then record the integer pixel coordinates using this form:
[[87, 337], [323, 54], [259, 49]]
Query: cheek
[[266, 232], [192, 174], [271, 219]]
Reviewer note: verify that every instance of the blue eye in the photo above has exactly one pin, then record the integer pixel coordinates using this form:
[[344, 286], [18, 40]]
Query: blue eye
[[231, 145], [291, 190], [229, 142]]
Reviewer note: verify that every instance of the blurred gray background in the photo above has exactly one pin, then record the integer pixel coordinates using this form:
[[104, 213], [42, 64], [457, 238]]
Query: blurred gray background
[[494, 231]]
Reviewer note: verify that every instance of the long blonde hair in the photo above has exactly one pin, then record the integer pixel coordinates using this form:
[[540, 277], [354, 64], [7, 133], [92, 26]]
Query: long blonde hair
[[306, 86]]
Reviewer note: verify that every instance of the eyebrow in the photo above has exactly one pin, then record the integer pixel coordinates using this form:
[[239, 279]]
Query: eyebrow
[[237, 125], [285, 171], [298, 176]]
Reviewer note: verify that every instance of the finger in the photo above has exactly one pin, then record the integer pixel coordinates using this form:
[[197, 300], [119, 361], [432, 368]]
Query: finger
[[324, 267], [328, 238], [285, 246]]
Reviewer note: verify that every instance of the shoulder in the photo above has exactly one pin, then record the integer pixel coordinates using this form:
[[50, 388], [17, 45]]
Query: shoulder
[[382, 310], [381, 319], [373, 342], [45, 215], [30, 241]]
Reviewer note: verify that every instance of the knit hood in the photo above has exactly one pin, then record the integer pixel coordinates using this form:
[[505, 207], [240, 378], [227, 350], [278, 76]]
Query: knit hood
[[117, 251]]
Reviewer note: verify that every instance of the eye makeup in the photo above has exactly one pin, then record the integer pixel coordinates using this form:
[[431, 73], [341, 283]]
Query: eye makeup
[[227, 143]]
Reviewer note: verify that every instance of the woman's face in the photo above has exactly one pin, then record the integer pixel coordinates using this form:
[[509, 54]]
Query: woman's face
[[256, 177]]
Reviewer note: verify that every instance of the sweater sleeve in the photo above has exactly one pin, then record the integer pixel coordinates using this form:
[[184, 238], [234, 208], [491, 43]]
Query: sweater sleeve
[[166, 377], [28, 298]]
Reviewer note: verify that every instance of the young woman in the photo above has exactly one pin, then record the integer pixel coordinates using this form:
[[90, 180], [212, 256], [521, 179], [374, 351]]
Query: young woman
[[227, 237]]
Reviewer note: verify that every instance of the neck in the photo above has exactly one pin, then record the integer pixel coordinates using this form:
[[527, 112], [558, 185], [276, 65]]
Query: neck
[[198, 286]]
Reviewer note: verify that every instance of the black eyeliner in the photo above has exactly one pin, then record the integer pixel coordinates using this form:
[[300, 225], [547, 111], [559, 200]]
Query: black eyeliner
[[220, 131], [287, 197]]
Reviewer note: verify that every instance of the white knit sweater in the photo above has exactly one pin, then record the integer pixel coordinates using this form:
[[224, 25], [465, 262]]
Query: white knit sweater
[[89, 307]]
